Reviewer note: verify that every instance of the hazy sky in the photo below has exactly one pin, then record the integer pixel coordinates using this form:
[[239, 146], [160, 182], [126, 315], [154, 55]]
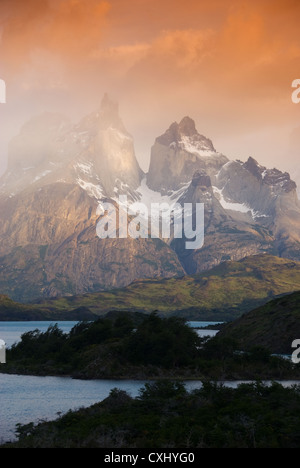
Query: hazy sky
[[227, 64]]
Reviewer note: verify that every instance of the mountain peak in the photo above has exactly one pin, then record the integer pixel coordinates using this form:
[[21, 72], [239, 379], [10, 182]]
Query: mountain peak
[[108, 114], [185, 136], [187, 127], [108, 105], [252, 166], [105, 117], [273, 177], [201, 179]]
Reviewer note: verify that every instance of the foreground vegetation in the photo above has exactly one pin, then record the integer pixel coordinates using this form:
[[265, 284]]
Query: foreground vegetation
[[165, 415], [141, 347], [275, 326]]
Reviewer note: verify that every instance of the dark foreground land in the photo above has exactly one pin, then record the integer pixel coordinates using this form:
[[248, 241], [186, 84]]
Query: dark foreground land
[[142, 347], [167, 351], [165, 415]]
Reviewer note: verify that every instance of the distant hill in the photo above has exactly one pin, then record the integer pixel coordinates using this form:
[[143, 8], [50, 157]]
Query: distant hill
[[274, 326], [10, 310], [223, 293], [14, 311]]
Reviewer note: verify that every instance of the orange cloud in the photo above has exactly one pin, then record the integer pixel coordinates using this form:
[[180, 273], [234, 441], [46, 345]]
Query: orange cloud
[[68, 28], [153, 40], [76, 27], [244, 53], [228, 63]]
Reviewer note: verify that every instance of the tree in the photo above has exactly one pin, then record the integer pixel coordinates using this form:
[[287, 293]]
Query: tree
[[166, 342]]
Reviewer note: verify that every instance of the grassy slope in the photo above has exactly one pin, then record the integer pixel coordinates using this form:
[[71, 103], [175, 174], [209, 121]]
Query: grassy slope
[[14, 311], [10, 310], [225, 292], [274, 326]]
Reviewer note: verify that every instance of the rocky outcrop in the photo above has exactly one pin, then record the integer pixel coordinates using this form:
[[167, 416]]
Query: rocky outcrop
[[271, 197], [178, 154]]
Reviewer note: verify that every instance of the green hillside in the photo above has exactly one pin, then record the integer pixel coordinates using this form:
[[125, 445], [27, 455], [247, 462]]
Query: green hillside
[[14, 311], [223, 293], [274, 326], [10, 310]]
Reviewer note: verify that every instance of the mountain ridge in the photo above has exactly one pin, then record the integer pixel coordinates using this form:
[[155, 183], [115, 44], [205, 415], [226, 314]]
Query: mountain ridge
[[223, 293], [60, 173]]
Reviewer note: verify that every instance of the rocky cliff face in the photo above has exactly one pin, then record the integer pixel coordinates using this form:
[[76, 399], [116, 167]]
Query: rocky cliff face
[[59, 173], [271, 198], [49, 247]]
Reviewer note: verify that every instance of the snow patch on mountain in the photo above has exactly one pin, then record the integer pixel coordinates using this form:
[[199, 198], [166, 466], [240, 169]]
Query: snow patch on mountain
[[149, 196], [233, 206], [93, 190], [198, 147], [120, 135], [229, 205], [86, 168], [40, 176], [25, 169]]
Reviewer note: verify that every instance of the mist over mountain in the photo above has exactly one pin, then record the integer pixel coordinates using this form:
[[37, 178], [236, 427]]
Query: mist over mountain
[[293, 155], [97, 153], [59, 172]]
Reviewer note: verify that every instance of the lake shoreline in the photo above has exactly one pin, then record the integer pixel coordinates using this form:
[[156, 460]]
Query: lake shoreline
[[163, 375], [143, 408], [151, 378]]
